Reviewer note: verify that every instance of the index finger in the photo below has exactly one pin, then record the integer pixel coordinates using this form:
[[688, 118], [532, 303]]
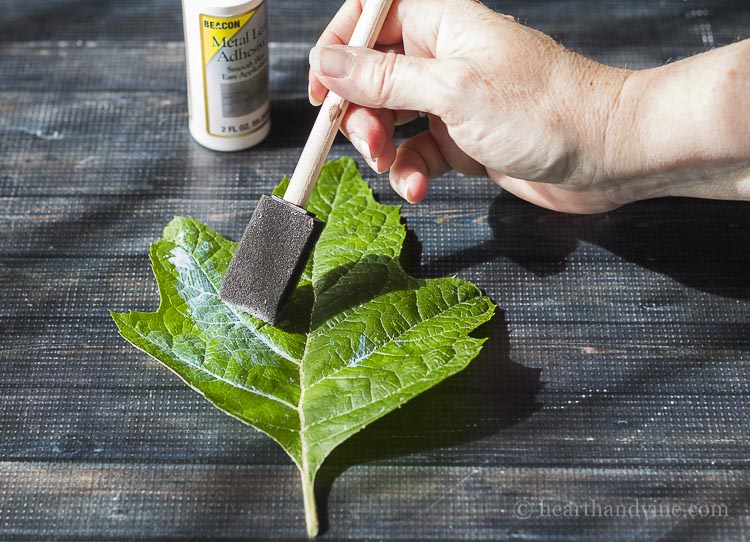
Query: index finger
[[339, 31]]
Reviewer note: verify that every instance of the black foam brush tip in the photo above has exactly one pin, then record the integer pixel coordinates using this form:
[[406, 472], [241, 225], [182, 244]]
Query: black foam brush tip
[[270, 258]]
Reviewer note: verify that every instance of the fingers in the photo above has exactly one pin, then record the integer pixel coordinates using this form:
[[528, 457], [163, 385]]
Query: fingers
[[421, 18], [371, 130], [404, 117], [317, 92], [417, 161], [457, 159], [341, 27], [339, 31], [397, 48], [371, 133], [384, 80]]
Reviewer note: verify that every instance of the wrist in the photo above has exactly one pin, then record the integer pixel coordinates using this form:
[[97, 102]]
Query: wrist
[[591, 103], [683, 130]]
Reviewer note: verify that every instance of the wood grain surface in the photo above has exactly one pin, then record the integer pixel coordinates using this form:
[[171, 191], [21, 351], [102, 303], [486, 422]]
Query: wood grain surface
[[618, 370]]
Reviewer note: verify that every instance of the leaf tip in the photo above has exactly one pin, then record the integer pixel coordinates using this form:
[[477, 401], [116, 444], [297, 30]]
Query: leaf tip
[[118, 318], [175, 222]]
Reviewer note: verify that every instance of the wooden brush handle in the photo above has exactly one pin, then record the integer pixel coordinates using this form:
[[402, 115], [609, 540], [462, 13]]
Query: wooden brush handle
[[332, 111]]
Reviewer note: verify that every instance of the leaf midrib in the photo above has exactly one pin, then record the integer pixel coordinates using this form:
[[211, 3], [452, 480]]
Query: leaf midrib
[[351, 269], [305, 467]]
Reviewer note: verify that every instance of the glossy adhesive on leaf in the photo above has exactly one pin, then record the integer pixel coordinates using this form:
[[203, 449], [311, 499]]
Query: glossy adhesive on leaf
[[358, 338]]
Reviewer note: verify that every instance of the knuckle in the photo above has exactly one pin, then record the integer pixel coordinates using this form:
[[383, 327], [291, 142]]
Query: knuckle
[[383, 78], [462, 85], [467, 78]]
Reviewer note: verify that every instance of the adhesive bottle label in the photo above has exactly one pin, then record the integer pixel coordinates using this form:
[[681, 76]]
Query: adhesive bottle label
[[235, 72]]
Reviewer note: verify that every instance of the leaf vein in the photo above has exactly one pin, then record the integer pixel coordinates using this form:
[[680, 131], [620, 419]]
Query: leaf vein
[[393, 338], [255, 330], [216, 376]]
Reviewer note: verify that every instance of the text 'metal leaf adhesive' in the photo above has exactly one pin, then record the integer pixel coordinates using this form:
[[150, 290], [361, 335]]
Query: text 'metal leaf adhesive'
[[227, 57]]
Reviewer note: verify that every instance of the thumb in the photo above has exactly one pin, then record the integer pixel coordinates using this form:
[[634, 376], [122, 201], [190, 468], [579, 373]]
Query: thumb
[[383, 80]]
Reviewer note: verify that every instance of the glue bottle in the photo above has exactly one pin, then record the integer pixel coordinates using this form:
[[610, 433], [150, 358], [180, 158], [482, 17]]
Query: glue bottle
[[226, 48]]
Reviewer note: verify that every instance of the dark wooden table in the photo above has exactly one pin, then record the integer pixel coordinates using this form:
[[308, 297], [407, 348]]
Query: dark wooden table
[[618, 370]]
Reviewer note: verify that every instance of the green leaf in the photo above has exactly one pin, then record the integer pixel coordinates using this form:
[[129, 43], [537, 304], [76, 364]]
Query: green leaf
[[359, 337]]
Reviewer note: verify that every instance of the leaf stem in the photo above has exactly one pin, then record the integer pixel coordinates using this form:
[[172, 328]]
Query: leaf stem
[[311, 512]]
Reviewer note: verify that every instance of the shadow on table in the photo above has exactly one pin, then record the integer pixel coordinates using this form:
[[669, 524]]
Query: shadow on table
[[490, 395], [702, 244]]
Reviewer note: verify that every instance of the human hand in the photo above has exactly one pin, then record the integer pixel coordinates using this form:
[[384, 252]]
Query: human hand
[[503, 100], [548, 125]]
